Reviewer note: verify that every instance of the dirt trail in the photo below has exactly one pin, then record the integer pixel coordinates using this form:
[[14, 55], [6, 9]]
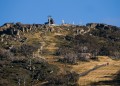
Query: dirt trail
[[101, 74]]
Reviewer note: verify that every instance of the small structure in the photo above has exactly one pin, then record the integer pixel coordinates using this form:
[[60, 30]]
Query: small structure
[[63, 22], [50, 21]]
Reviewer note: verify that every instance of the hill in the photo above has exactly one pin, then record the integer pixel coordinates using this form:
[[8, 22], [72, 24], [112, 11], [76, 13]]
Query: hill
[[62, 55]]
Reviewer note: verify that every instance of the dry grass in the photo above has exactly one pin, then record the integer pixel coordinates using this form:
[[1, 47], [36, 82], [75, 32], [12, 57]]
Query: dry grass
[[101, 74]]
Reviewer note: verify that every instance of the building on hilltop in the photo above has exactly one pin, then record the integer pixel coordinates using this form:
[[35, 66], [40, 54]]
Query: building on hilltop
[[50, 21]]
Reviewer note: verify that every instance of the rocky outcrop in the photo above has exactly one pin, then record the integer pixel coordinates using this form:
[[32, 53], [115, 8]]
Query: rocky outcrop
[[14, 29], [101, 26]]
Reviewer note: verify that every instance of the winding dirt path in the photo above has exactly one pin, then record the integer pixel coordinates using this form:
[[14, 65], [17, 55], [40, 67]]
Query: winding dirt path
[[103, 73]]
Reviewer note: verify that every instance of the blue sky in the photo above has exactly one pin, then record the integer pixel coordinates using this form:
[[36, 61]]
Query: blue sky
[[79, 11]]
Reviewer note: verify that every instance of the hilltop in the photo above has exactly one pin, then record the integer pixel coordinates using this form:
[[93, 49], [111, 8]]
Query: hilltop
[[51, 55]]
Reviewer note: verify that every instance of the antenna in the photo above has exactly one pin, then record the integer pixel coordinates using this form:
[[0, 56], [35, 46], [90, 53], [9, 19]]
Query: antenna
[[49, 17], [63, 22]]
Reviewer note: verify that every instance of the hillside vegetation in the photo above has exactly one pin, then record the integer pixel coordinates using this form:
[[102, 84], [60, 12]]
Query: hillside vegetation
[[64, 55]]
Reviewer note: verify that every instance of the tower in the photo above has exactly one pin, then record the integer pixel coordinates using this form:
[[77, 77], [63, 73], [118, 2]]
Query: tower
[[50, 20], [63, 22], [49, 17]]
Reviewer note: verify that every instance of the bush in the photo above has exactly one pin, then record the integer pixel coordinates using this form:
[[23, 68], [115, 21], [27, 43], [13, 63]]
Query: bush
[[43, 70], [69, 58], [69, 79], [5, 55], [115, 55], [25, 50]]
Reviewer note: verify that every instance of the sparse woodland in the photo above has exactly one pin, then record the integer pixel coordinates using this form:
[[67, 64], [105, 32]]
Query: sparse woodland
[[40, 55]]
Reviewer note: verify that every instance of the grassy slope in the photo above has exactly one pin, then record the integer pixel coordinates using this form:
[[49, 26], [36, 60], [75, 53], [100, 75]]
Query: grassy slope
[[51, 44], [101, 74]]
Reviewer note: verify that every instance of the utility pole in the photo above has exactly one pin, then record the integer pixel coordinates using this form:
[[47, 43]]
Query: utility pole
[[49, 18], [63, 22]]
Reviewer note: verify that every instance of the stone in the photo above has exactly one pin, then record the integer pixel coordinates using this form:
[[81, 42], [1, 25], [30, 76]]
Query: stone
[[18, 32], [5, 43], [23, 29], [2, 39], [30, 28], [91, 25], [26, 29], [12, 31]]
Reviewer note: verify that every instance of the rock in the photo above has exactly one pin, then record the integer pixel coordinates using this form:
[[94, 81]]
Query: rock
[[91, 25], [26, 29], [23, 29], [8, 25], [23, 39], [84, 56], [2, 39], [18, 33], [98, 26], [10, 47]]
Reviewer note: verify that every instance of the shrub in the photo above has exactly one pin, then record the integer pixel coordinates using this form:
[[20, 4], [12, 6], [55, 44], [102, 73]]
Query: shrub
[[69, 58], [69, 79], [43, 70], [5, 55], [25, 50]]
